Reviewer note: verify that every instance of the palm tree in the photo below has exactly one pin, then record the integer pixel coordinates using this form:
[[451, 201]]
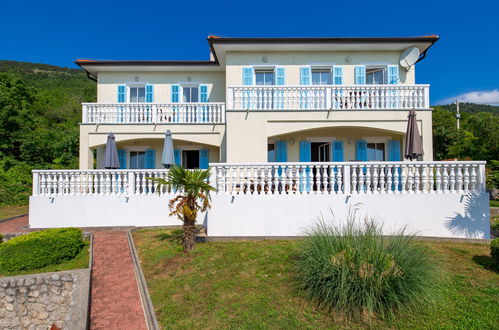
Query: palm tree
[[193, 196]]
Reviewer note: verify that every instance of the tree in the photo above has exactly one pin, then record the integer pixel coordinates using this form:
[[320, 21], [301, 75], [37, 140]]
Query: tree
[[193, 196]]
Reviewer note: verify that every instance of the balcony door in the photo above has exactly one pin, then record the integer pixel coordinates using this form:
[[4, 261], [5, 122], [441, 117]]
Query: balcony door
[[191, 94]]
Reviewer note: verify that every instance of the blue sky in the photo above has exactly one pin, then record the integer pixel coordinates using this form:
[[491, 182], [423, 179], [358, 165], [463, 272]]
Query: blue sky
[[464, 63]]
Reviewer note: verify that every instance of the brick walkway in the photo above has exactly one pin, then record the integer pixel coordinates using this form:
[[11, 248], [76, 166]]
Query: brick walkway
[[116, 301], [14, 225]]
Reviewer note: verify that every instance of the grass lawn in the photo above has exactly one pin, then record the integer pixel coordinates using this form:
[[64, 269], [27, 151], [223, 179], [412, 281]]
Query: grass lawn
[[250, 285], [494, 203], [80, 261], [12, 211]]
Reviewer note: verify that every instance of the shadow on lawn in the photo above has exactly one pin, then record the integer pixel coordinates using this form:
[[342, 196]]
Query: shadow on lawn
[[171, 235], [486, 262]]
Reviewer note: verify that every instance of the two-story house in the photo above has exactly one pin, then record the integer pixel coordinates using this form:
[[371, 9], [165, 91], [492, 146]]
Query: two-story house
[[260, 100], [291, 128]]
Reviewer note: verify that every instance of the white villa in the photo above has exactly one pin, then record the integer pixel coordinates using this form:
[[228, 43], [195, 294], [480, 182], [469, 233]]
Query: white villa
[[291, 127]]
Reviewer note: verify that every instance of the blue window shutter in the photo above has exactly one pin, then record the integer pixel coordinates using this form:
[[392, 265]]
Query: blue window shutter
[[280, 76], [203, 158], [121, 93], [149, 93], [337, 151], [305, 75], [361, 150], [360, 75], [203, 93], [176, 156], [305, 151], [394, 150], [338, 75], [150, 158], [122, 158], [281, 151], [175, 90], [393, 74], [247, 76]]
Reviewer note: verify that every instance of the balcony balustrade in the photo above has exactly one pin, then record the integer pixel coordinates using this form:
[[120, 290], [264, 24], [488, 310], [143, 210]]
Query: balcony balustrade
[[153, 113], [327, 97]]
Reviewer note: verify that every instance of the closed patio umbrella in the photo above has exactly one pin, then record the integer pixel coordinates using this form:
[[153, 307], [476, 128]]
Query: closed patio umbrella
[[111, 160], [413, 143], [168, 158]]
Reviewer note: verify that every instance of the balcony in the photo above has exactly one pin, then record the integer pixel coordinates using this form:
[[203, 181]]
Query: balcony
[[153, 113], [327, 97]]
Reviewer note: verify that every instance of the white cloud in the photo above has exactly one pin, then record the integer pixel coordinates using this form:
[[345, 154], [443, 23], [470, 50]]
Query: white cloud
[[484, 97]]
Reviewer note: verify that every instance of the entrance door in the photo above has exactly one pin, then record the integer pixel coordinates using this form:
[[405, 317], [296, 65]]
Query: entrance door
[[320, 152], [190, 158]]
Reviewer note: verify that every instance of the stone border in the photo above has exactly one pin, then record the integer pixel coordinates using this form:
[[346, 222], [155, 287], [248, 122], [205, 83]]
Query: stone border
[[150, 315], [14, 217]]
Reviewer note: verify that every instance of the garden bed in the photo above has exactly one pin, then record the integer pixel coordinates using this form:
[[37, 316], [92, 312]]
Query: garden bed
[[250, 284]]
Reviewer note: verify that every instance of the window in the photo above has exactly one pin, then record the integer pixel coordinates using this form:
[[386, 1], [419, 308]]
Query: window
[[191, 94], [321, 76], [375, 151], [264, 77], [137, 159], [137, 94], [320, 151], [190, 158], [375, 76], [271, 152]]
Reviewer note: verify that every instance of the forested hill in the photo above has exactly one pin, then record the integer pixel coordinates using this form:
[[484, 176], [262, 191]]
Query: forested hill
[[40, 109], [471, 108]]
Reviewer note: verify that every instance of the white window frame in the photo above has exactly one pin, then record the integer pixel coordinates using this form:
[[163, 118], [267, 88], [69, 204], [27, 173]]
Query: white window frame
[[135, 84], [322, 68], [383, 67], [134, 149], [322, 139], [264, 68], [189, 85], [188, 148], [378, 139]]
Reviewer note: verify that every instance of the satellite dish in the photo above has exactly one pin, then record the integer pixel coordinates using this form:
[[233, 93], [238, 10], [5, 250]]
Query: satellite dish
[[409, 57]]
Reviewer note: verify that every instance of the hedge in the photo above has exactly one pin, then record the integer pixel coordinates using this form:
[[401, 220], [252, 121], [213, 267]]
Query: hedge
[[39, 249], [494, 250]]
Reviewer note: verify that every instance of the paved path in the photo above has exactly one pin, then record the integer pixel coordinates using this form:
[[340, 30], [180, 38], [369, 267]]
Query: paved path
[[116, 301], [15, 225]]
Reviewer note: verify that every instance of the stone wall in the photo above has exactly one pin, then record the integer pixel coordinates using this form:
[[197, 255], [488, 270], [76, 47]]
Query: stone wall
[[40, 300]]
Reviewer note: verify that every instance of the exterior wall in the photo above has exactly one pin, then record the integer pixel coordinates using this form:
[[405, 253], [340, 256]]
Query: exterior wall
[[346, 134], [157, 145], [108, 82], [292, 61], [450, 215], [247, 132], [150, 135], [436, 215]]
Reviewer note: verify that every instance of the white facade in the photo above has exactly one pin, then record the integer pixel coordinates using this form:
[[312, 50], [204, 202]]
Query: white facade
[[257, 100], [292, 129]]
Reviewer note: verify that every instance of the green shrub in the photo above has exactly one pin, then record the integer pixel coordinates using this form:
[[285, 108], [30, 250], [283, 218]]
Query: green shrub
[[39, 249], [355, 270], [494, 250]]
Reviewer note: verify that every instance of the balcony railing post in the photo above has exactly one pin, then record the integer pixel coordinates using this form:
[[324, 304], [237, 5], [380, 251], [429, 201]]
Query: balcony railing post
[[131, 183], [346, 179], [230, 98], [36, 183], [84, 116], [426, 97], [328, 98], [154, 114], [482, 178]]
